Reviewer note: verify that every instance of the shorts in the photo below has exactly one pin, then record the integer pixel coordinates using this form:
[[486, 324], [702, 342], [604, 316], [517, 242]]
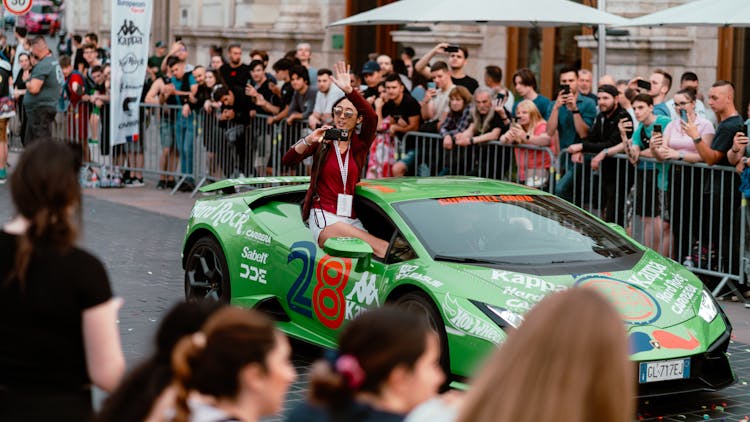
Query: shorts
[[645, 199], [167, 133], [408, 159], [320, 219]]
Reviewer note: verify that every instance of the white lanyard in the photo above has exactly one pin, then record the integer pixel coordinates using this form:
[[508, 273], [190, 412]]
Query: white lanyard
[[343, 167]]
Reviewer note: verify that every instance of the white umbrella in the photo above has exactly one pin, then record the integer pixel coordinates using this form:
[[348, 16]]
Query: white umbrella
[[524, 13], [700, 13]]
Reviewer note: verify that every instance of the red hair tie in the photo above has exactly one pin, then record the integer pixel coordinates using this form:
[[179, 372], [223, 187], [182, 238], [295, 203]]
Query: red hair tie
[[348, 367]]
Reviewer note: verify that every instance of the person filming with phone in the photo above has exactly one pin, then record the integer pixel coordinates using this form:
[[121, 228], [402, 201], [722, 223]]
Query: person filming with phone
[[339, 154], [685, 182]]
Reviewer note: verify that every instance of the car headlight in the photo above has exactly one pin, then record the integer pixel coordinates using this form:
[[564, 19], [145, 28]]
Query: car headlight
[[504, 318], [708, 309]]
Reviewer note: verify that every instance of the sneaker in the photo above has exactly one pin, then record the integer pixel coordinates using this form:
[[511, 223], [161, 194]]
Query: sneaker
[[187, 187], [136, 183], [161, 185], [170, 184]]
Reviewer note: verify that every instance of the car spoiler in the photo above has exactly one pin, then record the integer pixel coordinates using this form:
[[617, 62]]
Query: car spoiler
[[230, 184]]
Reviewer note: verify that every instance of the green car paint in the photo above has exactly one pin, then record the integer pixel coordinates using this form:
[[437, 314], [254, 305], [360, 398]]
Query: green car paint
[[270, 255]]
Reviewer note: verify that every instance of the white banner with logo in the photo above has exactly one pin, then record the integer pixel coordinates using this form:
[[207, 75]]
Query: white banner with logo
[[131, 25]]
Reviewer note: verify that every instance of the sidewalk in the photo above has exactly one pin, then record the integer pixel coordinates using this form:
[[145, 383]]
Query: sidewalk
[[148, 198]]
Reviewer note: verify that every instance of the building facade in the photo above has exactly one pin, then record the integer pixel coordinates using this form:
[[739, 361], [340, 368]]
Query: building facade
[[278, 25]]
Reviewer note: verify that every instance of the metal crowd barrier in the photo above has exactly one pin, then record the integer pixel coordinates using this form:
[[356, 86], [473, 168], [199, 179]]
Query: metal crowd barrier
[[691, 212], [525, 164]]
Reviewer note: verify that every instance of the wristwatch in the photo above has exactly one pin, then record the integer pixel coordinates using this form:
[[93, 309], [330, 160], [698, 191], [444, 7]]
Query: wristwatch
[[681, 156], [698, 139], [576, 111]]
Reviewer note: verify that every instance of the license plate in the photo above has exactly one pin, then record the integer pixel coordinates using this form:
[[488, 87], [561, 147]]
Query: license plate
[[663, 370]]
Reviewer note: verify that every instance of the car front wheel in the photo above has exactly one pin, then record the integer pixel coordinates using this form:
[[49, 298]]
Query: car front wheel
[[206, 272], [420, 303]]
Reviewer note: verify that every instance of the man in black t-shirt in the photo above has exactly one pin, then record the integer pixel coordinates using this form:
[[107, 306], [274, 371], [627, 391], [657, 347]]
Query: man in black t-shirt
[[401, 107], [235, 117], [457, 58], [235, 73]]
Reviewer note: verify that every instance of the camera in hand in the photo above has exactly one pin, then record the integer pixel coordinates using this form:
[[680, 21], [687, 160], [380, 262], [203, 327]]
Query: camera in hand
[[167, 80], [657, 128], [451, 49], [644, 84], [334, 134], [500, 96], [565, 88]]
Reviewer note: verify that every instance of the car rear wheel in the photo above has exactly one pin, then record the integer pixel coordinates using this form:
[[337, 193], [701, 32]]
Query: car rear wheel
[[420, 303], [206, 272]]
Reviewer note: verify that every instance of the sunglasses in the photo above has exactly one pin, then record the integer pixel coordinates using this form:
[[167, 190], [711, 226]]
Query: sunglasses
[[338, 111]]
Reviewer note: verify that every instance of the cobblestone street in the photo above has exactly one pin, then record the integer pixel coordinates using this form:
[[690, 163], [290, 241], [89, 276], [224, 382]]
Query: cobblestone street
[[141, 250]]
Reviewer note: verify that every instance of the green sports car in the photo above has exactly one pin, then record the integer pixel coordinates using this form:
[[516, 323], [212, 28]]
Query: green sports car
[[472, 254]]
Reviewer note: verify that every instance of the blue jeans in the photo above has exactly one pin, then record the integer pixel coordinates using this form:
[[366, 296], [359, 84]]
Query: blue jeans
[[185, 140], [564, 186]]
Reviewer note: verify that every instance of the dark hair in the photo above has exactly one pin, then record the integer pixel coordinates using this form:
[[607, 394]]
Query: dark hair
[[409, 51], [44, 187], [688, 92], [282, 64], [644, 98], [92, 36], [96, 68], [301, 72], [722, 82], [219, 92], [210, 361], [20, 30], [393, 77], [666, 76], [689, 76], [198, 66], [172, 60], [439, 65], [136, 394], [64, 61], [418, 79], [88, 46], [399, 67], [77, 38], [234, 45], [256, 63], [568, 69], [494, 72], [630, 94], [217, 76], [262, 53], [527, 77], [377, 359], [325, 71], [465, 51]]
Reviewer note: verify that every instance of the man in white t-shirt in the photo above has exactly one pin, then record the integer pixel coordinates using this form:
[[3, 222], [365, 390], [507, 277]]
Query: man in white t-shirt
[[327, 94], [435, 104]]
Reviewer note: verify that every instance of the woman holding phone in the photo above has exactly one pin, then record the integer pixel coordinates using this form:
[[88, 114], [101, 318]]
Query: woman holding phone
[[530, 129], [338, 159], [678, 145]]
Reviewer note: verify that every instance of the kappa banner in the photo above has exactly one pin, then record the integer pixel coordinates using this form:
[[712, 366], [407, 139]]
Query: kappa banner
[[131, 24]]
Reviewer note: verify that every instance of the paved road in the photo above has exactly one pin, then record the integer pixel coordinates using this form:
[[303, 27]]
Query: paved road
[[141, 251]]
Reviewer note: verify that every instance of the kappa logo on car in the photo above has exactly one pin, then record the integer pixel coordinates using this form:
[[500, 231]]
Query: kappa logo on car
[[253, 273], [635, 305], [254, 255], [470, 324], [362, 296], [410, 271], [531, 283], [647, 275]]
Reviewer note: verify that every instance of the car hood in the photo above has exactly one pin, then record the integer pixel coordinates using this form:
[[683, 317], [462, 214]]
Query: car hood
[[655, 291], [657, 298]]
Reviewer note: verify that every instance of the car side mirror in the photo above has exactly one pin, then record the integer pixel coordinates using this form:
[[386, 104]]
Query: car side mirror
[[350, 247], [618, 228]]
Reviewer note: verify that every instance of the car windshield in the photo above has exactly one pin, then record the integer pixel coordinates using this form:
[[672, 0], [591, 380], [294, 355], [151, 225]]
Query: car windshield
[[510, 229]]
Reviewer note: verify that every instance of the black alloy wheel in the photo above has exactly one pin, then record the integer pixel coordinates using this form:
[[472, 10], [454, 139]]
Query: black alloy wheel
[[206, 272]]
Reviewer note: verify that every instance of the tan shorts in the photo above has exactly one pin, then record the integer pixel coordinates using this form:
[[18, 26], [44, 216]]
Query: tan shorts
[[320, 219]]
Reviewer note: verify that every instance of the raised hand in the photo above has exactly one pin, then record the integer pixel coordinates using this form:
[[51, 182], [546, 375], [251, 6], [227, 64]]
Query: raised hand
[[341, 76]]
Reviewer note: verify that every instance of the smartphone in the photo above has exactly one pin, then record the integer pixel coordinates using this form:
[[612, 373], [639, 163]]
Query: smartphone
[[657, 128], [166, 79], [452, 49], [742, 128], [336, 134], [249, 82], [431, 85], [515, 119], [500, 96], [565, 88], [683, 115], [644, 84]]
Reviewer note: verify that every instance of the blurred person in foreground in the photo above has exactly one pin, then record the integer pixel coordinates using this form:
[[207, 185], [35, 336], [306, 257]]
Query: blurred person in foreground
[[588, 378], [375, 381], [147, 393], [59, 326], [236, 368]]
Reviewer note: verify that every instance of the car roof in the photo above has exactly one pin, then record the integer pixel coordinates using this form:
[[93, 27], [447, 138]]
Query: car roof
[[393, 190]]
